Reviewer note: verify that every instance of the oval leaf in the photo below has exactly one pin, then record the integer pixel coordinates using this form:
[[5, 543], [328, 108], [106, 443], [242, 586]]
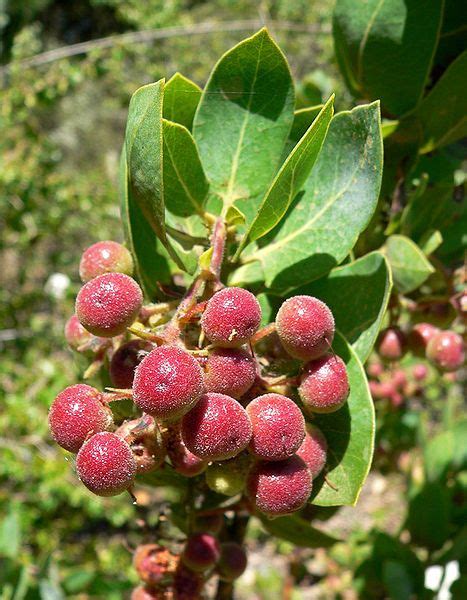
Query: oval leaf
[[410, 267], [243, 120], [350, 435], [181, 99]]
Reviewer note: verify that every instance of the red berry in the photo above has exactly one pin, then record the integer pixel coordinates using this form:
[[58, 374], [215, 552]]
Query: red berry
[[125, 360], [313, 450], [279, 488], [229, 371], [217, 428], [167, 383], [446, 350], [232, 562], [420, 372], [105, 464], [154, 563], [146, 442], [419, 337], [375, 369], [75, 334], [108, 304], [324, 386], [305, 326], [201, 552], [209, 523], [76, 413], [105, 257], [391, 344], [183, 461], [278, 427], [399, 378], [231, 317], [187, 584]]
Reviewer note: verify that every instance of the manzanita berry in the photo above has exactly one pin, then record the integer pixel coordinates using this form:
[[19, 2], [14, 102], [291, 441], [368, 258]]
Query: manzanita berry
[[168, 382], [108, 304], [75, 334], [232, 562], [230, 371], [201, 552], [105, 257], [77, 413], [105, 464], [146, 442], [324, 386], [143, 592], [125, 360], [228, 477], [231, 317], [419, 336], [187, 584], [305, 326], [446, 350], [217, 428], [183, 461], [391, 344], [420, 372], [313, 450], [281, 487], [278, 427], [154, 563]]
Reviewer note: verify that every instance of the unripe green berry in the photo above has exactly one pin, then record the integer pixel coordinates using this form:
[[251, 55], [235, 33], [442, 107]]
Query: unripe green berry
[[228, 477]]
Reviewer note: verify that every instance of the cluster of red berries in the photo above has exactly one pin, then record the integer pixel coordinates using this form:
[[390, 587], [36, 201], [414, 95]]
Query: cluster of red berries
[[396, 384], [204, 405]]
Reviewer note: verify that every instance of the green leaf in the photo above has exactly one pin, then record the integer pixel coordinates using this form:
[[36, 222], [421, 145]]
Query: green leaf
[[143, 140], [430, 241], [358, 295], [443, 113], [428, 516], [337, 203], [350, 436], [397, 580], [181, 99], [243, 120], [298, 531], [385, 48], [151, 259], [185, 185], [445, 451], [410, 267], [291, 177]]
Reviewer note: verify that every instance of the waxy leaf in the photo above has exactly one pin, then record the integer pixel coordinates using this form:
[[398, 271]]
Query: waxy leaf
[[291, 177], [303, 118], [358, 295], [181, 98], [143, 141], [385, 48], [445, 451], [298, 531], [410, 267], [336, 204], [243, 120]]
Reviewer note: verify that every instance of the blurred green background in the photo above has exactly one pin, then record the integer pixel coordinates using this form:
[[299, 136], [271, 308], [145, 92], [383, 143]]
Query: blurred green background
[[62, 124]]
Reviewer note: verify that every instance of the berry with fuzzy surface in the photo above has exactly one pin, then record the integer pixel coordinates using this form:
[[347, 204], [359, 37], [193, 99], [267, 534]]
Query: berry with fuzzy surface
[[105, 257], [146, 442], [76, 413], [105, 464], [446, 350], [313, 450], [229, 371], [201, 552], [231, 317], [278, 427], [168, 382], [419, 336], [228, 477], [232, 562], [217, 428], [281, 487], [305, 326], [108, 304], [75, 334], [324, 386], [392, 343], [125, 360], [183, 461]]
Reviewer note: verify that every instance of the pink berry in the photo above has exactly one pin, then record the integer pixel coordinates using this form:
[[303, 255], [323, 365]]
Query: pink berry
[[201, 552], [420, 372], [446, 350], [375, 369], [278, 427], [105, 257], [75, 334], [231, 317], [305, 326], [183, 461], [108, 304], [281, 487], [232, 561], [419, 337], [399, 378], [391, 344], [313, 450], [125, 360], [105, 464], [76, 413], [324, 386], [154, 563], [168, 382], [230, 371], [217, 428]]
